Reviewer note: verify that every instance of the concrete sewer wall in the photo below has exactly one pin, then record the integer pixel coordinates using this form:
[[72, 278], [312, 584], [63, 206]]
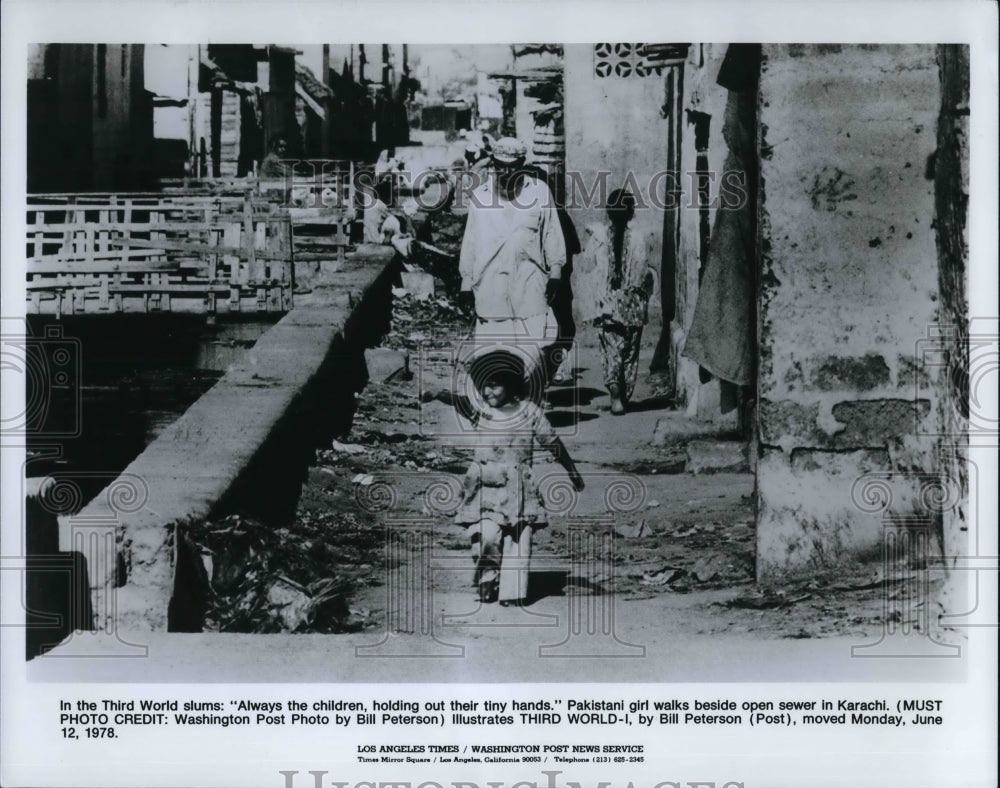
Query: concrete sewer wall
[[254, 435], [848, 289]]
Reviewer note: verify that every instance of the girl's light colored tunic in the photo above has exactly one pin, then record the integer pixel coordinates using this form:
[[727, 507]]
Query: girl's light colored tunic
[[500, 482]]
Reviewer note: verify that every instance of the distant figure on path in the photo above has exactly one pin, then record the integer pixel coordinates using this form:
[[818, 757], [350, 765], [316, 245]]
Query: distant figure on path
[[613, 283]]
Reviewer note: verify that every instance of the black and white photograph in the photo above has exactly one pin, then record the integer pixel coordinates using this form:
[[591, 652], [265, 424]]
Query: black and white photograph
[[496, 402]]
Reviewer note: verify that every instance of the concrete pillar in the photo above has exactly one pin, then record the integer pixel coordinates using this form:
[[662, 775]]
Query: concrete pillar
[[848, 287]]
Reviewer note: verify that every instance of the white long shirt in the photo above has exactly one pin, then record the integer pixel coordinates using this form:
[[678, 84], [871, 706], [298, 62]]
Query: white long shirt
[[510, 249]]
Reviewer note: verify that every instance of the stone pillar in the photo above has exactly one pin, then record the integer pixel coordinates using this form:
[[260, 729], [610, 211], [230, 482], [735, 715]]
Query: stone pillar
[[848, 288]]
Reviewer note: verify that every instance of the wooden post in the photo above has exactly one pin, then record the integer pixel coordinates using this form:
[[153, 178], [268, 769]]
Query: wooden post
[[351, 207], [231, 238], [341, 241], [164, 296], [103, 236], [255, 269], [79, 295], [213, 266], [39, 245], [237, 272], [286, 234], [126, 251]]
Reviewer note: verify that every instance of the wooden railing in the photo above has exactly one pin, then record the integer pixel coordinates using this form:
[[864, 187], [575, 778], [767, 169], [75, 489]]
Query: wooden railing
[[102, 253]]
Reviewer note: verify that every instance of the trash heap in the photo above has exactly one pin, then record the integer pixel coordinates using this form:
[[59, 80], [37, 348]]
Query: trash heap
[[296, 579], [435, 322], [379, 451]]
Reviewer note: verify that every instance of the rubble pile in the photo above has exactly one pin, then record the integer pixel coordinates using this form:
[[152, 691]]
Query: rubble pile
[[378, 451], [295, 579], [680, 558], [430, 323]]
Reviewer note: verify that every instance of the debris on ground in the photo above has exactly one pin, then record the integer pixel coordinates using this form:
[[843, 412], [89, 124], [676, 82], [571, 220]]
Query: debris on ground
[[429, 323], [294, 579], [708, 456], [291, 603], [665, 576], [709, 567], [768, 600], [348, 448], [386, 364], [632, 530]]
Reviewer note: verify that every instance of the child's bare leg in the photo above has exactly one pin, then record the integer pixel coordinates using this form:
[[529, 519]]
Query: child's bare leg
[[516, 561], [486, 554]]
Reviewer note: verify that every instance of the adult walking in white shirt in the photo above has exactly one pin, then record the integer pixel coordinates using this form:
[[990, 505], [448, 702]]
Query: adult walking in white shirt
[[512, 253]]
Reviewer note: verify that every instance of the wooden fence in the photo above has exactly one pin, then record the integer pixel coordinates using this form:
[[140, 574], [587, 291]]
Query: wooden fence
[[141, 253]]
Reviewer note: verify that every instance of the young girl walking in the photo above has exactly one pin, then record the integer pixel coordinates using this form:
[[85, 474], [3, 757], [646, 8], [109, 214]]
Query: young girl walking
[[501, 503]]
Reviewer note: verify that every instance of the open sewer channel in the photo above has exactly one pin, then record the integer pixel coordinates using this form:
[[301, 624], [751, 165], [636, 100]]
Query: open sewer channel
[[99, 390]]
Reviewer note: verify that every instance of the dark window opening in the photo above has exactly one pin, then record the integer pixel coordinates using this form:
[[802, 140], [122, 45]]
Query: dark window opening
[[703, 183]]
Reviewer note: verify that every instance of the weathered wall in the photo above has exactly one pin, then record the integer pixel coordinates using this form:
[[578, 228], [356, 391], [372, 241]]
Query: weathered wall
[[117, 132], [848, 286], [951, 185], [613, 125]]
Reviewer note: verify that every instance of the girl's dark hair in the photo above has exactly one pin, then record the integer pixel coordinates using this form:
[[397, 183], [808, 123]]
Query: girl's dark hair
[[500, 366], [621, 208]]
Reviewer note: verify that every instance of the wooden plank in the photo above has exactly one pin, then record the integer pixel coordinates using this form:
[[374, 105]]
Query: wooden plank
[[337, 239], [213, 256], [127, 253], [104, 266], [341, 239], [101, 230], [165, 294], [89, 242], [127, 217], [79, 294], [260, 245], [167, 225], [249, 242], [105, 296], [90, 199], [69, 259], [230, 250], [138, 287], [232, 247]]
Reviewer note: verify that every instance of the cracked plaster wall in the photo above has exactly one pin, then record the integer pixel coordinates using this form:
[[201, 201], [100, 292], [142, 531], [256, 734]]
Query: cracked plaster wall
[[849, 287]]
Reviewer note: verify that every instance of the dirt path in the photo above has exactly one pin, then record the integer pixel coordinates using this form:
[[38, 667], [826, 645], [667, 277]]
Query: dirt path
[[682, 552]]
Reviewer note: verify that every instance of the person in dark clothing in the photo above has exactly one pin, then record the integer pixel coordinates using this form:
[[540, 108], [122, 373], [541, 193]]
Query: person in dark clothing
[[615, 285], [273, 165]]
